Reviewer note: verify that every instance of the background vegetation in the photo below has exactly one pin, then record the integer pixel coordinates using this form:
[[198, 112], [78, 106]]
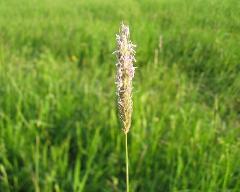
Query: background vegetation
[[59, 129]]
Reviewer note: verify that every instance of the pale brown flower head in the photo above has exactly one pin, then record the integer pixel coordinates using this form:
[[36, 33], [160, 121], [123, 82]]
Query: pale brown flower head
[[125, 72]]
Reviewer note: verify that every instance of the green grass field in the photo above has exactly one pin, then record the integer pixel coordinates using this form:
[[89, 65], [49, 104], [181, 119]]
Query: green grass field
[[59, 127]]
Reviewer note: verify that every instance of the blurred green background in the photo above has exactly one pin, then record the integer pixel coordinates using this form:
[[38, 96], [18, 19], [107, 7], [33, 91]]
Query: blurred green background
[[59, 128]]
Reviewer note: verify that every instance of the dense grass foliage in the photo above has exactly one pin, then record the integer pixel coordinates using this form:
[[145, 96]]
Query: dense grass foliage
[[59, 129]]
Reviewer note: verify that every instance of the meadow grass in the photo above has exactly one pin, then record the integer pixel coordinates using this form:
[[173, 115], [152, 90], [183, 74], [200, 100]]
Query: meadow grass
[[59, 129]]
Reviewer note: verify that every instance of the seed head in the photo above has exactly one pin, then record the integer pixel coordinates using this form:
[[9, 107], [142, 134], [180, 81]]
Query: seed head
[[125, 72]]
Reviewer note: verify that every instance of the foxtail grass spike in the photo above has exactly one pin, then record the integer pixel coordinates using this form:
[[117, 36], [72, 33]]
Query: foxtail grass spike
[[125, 54]]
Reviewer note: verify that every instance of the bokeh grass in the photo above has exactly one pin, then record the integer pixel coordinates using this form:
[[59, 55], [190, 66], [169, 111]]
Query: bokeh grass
[[59, 129]]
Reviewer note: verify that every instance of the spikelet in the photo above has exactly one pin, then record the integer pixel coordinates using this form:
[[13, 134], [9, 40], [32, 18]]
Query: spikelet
[[125, 72]]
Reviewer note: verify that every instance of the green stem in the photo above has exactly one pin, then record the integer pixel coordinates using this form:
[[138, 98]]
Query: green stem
[[127, 174]]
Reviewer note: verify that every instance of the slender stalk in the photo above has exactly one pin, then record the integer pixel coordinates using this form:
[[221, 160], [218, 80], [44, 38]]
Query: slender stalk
[[127, 173]]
